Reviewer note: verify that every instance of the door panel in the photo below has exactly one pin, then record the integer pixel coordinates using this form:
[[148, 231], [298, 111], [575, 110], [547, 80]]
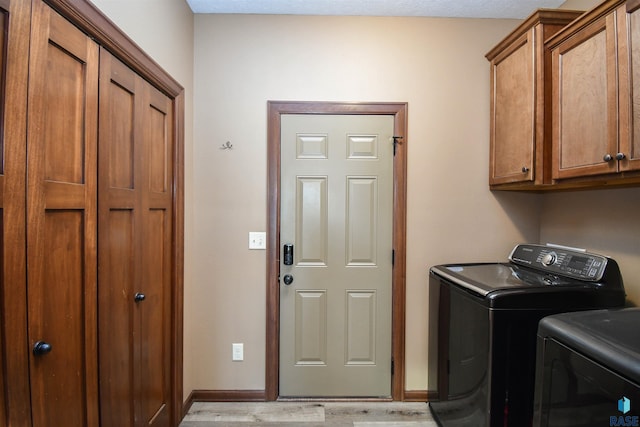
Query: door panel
[[362, 229], [158, 146], [157, 217], [311, 328], [118, 252], [64, 139], [311, 227], [117, 260], [361, 328], [135, 254], [336, 209], [4, 18], [59, 303], [61, 227], [14, 351], [116, 275], [154, 311]]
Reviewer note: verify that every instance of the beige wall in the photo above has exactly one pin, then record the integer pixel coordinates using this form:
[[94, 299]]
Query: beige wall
[[603, 221], [436, 65], [164, 29]]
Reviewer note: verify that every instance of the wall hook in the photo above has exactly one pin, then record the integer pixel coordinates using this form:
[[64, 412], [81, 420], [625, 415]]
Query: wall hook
[[227, 146]]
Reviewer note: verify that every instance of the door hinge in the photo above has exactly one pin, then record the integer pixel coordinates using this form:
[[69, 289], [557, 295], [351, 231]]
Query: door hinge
[[393, 257], [396, 142], [392, 367]]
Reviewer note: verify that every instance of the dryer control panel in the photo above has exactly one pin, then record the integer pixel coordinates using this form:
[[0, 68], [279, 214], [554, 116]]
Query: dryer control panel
[[561, 261]]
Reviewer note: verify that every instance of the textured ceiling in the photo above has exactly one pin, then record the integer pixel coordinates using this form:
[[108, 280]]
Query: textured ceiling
[[518, 9]]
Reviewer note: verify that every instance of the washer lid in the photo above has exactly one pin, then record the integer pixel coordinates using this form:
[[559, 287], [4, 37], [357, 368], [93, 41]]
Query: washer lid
[[485, 278]]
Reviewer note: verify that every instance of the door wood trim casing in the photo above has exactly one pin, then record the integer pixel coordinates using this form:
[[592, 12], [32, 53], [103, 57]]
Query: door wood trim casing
[[275, 110]]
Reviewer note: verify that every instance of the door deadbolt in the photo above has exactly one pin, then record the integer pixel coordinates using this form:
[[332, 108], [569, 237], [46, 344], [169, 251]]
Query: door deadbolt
[[288, 254]]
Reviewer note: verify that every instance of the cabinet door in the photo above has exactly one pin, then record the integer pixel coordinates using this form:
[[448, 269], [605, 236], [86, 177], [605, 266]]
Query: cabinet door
[[135, 231], [61, 213], [629, 69], [14, 369], [513, 117], [585, 123]]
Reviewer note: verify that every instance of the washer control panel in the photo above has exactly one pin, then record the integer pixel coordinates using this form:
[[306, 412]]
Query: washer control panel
[[561, 261]]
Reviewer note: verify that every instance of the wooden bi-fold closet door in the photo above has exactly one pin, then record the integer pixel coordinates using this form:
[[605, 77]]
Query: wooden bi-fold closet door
[[14, 369], [62, 222], [135, 248], [90, 223]]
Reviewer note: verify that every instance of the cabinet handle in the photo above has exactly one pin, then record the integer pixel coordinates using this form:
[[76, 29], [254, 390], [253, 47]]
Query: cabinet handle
[[525, 169], [138, 297], [620, 156], [607, 157], [40, 348]]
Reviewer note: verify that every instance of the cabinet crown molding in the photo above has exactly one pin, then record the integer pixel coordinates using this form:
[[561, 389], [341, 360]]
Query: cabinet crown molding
[[540, 16], [584, 20]]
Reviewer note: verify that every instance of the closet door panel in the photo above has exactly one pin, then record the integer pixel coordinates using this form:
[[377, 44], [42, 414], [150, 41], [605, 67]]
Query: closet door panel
[[14, 352], [61, 227], [4, 17], [158, 147], [58, 380], [118, 254], [156, 313], [135, 350], [116, 320]]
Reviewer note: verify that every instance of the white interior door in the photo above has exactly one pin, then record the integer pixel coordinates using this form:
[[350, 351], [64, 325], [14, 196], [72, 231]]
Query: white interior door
[[337, 213]]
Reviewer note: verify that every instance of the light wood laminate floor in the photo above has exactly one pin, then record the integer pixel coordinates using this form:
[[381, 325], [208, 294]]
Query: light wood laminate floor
[[309, 414]]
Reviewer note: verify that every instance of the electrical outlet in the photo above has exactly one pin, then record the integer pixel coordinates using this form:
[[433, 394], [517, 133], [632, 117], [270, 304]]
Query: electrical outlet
[[237, 352], [257, 240]]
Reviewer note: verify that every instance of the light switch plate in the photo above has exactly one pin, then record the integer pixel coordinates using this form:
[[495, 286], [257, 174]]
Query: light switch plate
[[257, 240], [237, 352]]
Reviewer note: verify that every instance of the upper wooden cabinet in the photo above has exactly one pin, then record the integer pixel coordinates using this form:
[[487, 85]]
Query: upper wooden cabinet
[[520, 94], [596, 94]]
